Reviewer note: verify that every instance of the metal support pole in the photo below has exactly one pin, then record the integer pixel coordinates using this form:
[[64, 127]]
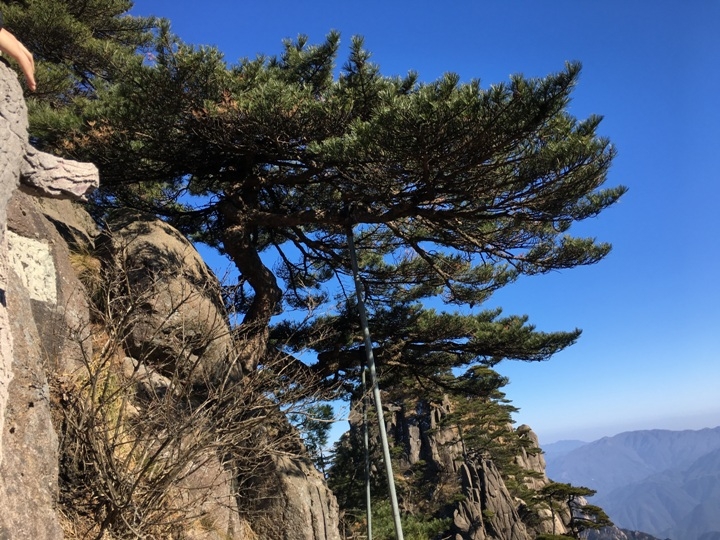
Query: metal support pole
[[375, 387], [366, 444]]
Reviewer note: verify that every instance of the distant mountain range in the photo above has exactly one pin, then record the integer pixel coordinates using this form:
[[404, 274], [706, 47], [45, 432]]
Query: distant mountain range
[[613, 533], [666, 483]]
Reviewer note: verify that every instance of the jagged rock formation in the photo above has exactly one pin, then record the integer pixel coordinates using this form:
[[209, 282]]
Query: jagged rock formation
[[303, 508], [51, 336], [484, 507], [181, 331], [488, 510], [532, 461], [182, 319]]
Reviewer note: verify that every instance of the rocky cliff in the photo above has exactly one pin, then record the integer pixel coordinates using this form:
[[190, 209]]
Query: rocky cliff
[[615, 533], [486, 509], [437, 478], [39, 301], [121, 411]]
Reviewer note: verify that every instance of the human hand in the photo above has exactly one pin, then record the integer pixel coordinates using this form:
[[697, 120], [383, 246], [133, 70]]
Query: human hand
[[10, 45]]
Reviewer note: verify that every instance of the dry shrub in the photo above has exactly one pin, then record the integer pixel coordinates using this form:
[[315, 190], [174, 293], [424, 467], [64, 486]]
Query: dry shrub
[[134, 435]]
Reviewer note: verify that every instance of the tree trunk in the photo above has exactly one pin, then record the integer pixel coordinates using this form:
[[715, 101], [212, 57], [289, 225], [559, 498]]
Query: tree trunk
[[254, 330]]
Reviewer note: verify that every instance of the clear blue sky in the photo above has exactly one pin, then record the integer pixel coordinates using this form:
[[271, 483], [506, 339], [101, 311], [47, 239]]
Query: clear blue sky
[[648, 357]]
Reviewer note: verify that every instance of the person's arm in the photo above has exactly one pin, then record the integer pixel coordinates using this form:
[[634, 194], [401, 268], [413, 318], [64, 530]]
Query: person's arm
[[12, 47]]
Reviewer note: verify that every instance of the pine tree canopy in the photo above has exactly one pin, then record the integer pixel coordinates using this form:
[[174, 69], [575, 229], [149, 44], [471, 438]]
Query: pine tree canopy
[[583, 516], [453, 189], [421, 349], [78, 46]]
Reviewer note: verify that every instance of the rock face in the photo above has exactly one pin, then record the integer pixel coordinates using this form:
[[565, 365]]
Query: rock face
[[486, 509], [304, 508], [49, 336], [614, 533], [39, 304], [181, 322]]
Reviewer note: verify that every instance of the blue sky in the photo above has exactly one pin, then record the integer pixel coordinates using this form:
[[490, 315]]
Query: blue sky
[[648, 356]]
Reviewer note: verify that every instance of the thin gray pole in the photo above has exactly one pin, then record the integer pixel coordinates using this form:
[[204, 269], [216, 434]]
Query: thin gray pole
[[375, 387], [366, 444]]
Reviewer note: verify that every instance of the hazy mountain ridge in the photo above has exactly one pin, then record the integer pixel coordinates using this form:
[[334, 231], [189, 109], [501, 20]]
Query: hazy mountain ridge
[[614, 533], [666, 483], [560, 448]]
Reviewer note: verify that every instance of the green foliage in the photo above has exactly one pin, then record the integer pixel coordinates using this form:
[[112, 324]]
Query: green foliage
[[346, 476], [583, 516], [314, 425], [565, 492], [457, 189], [79, 46], [590, 516], [414, 527], [482, 417], [419, 349]]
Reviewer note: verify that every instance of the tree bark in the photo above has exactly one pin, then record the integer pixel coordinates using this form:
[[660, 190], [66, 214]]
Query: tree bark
[[254, 331]]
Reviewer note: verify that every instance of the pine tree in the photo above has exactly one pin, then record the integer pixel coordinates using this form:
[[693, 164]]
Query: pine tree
[[79, 46], [454, 189], [314, 425], [582, 516], [419, 349]]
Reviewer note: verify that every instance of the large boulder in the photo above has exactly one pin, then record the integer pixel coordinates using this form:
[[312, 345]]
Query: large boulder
[[302, 508], [179, 325], [487, 509]]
